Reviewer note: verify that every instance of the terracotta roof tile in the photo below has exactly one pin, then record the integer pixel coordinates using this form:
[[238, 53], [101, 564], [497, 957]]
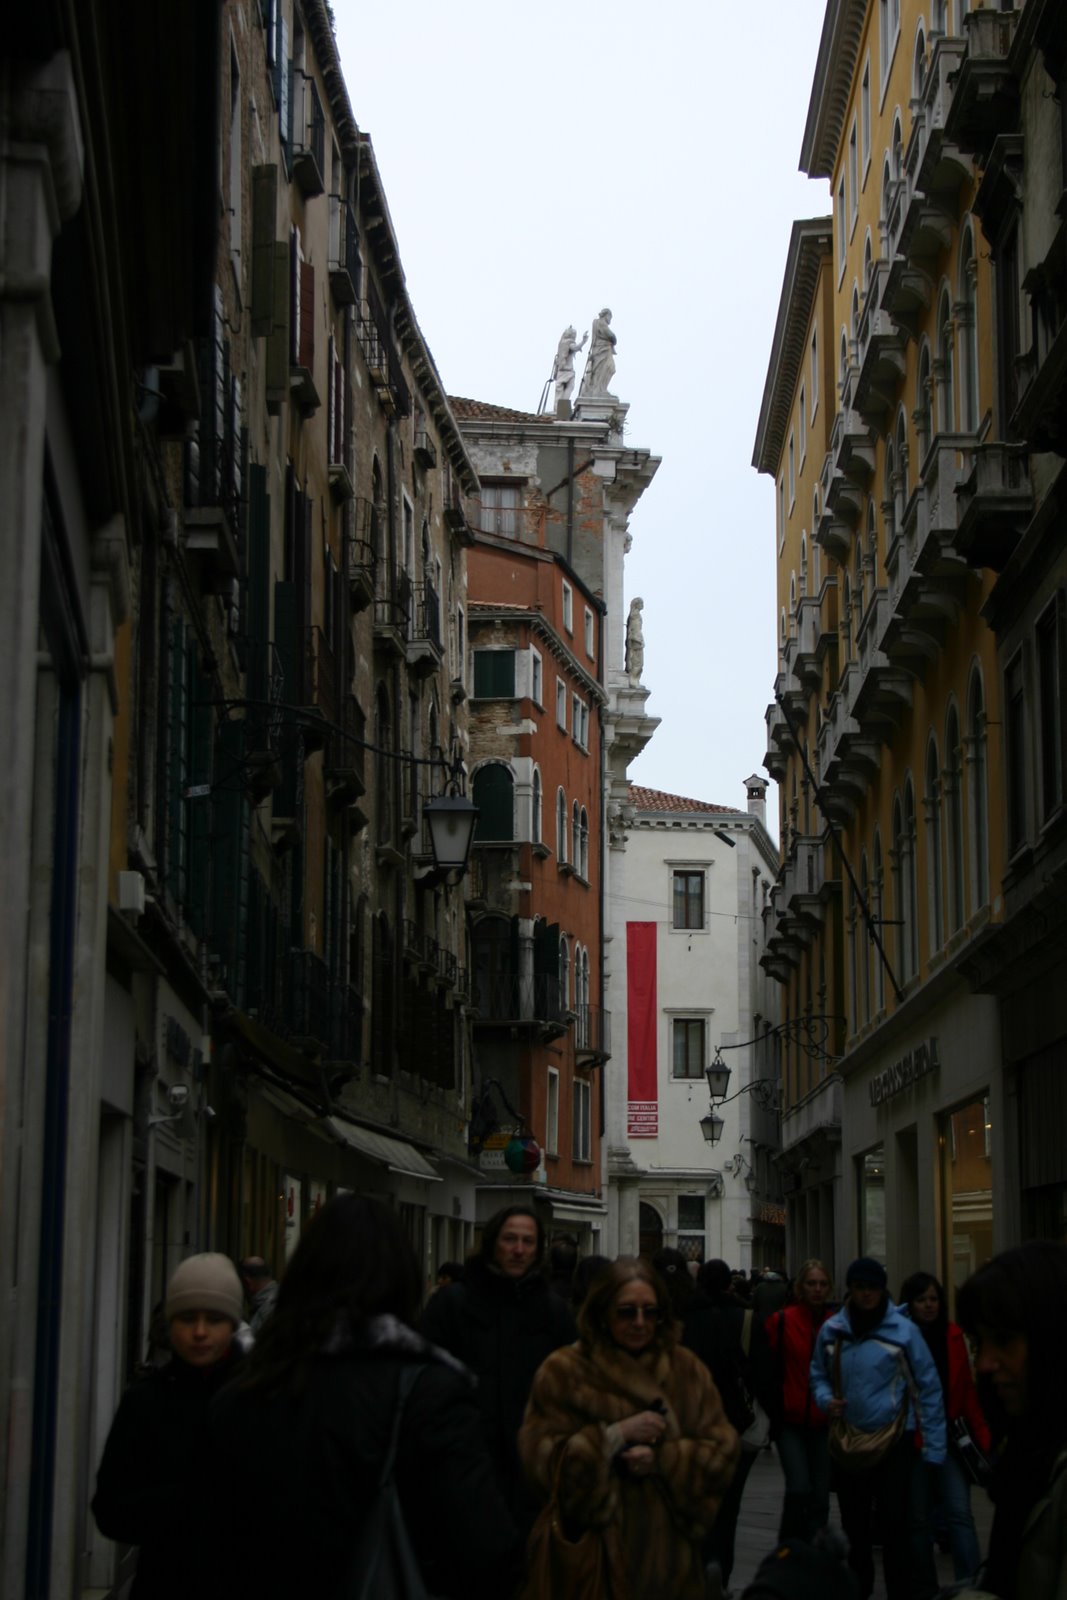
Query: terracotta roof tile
[[481, 411], [655, 800]]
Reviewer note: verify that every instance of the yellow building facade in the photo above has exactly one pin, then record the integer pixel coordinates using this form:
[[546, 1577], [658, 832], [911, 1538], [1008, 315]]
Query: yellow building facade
[[901, 486]]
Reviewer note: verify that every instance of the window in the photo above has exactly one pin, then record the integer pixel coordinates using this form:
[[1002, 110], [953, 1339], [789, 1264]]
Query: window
[[888, 34], [500, 509], [552, 1114], [945, 403], [564, 975], [976, 790], [934, 874], [1015, 751], [692, 1226], [803, 563], [918, 65], [568, 607], [536, 801], [792, 474], [842, 234], [911, 893], [966, 316], [1050, 676], [870, 1191], [878, 914], [842, 362], [887, 182], [853, 178], [865, 118], [1008, 322], [688, 1054], [814, 370], [781, 514], [561, 704], [688, 911], [953, 792], [537, 678], [924, 421], [561, 826], [579, 721], [866, 944], [494, 674], [493, 792], [576, 837], [590, 635], [583, 863], [965, 1144], [582, 1143], [868, 265]]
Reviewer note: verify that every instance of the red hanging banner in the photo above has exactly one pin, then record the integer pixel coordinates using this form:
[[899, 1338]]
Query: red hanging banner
[[642, 1111]]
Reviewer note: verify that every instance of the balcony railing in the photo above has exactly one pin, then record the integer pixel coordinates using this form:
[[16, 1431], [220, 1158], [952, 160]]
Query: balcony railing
[[392, 609], [343, 252], [321, 680], [424, 647], [346, 753], [986, 95], [508, 998], [592, 1034], [309, 996], [309, 149]]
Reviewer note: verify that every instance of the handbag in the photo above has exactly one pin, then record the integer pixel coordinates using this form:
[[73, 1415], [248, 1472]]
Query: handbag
[[968, 1453], [561, 1568], [854, 1449], [384, 1566]]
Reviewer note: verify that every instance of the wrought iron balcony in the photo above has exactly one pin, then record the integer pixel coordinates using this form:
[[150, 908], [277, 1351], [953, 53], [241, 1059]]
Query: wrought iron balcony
[[360, 562], [309, 146], [346, 754], [309, 998], [592, 1035], [392, 611], [506, 999], [424, 648], [343, 252]]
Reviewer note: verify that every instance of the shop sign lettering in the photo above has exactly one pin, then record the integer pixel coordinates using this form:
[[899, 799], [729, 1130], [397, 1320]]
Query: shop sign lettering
[[918, 1063]]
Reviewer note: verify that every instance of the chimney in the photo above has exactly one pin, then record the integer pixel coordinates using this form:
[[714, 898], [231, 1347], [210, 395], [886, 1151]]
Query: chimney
[[756, 791]]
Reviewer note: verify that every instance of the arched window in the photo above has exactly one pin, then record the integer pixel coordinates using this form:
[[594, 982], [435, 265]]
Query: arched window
[[911, 889], [898, 149], [564, 974], [902, 459], [816, 554], [854, 320], [878, 914], [493, 792], [868, 264], [864, 940], [792, 604], [383, 766], [939, 17], [782, 629], [872, 541], [842, 364], [976, 791], [536, 807], [858, 596], [846, 622], [887, 181], [889, 496], [561, 826], [576, 837], [953, 791], [918, 64], [584, 865], [946, 407], [803, 562], [967, 316], [924, 422], [934, 874]]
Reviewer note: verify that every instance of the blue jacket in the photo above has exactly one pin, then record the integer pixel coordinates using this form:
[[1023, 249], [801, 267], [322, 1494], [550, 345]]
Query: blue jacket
[[875, 1368]]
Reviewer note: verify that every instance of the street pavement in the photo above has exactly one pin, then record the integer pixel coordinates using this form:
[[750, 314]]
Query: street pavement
[[757, 1526]]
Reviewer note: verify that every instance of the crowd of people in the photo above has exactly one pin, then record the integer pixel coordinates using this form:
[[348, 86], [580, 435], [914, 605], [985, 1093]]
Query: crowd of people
[[549, 1426]]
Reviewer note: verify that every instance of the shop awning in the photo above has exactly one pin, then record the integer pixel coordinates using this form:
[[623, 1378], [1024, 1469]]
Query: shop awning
[[394, 1154]]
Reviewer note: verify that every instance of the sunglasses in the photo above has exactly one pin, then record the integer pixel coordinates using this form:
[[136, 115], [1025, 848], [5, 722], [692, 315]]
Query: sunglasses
[[631, 1313]]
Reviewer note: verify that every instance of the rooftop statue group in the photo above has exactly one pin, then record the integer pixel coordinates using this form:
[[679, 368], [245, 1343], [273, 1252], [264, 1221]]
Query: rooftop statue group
[[599, 364]]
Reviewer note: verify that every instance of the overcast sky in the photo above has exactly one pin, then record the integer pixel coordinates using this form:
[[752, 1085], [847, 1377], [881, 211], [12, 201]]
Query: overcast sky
[[542, 161]]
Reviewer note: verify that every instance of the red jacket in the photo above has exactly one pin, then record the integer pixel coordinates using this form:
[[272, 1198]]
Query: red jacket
[[961, 1397], [791, 1334]]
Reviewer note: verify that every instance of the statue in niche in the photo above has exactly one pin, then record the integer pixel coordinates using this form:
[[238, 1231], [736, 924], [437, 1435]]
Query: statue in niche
[[600, 363], [635, 642], [563, 371]]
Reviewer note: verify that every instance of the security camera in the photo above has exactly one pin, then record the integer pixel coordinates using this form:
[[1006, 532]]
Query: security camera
[[177, 1096]]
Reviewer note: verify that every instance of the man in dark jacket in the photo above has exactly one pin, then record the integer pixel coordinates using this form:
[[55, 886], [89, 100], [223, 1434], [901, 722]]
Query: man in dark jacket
[[728, 1338], [501, 1322]]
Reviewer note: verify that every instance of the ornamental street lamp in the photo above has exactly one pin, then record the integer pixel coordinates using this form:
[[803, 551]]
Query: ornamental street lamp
[[451, 819], [711, 1126]]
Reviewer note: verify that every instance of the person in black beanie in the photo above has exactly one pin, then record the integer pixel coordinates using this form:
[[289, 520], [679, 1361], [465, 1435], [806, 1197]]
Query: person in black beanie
[[797, 1570], [149, 1489]]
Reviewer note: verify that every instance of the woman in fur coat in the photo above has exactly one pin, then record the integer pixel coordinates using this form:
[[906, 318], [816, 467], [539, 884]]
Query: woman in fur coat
[[629, 1428]]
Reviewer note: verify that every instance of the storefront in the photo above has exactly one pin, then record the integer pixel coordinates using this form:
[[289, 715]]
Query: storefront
[[924, 1174]]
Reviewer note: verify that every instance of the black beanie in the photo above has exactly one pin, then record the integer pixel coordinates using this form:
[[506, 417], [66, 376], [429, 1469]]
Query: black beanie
[[800, 1571]]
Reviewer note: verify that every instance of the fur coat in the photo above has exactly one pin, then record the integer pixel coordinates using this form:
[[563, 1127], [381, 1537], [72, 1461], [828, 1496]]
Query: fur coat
[[653, 1525]]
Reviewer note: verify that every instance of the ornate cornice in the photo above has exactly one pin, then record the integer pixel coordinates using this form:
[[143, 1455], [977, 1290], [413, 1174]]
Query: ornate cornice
[[835, 67], [810, 244]]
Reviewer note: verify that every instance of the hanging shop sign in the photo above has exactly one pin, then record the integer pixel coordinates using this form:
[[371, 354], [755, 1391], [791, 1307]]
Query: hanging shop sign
[[918, 1063]]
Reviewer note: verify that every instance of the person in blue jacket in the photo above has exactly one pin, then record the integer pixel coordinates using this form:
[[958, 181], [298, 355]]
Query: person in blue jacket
[[885, 1368]]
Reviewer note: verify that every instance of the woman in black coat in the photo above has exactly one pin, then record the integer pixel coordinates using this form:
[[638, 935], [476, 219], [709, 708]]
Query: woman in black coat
[[149, 1489], [297, 1446]]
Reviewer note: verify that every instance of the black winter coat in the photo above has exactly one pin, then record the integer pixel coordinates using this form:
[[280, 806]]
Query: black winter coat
[[713, 1330], [150, 1488], [293, 1470], [502, 1329]]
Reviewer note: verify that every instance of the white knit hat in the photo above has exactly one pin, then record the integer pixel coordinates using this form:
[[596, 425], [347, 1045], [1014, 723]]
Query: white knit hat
[[206, 1283]]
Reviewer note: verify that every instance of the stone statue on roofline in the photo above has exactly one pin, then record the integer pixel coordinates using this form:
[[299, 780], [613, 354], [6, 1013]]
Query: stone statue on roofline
[[600, 362], [563, 371]]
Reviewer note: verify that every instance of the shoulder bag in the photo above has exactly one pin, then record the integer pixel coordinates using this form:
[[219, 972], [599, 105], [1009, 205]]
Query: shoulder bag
[[854, 1450], [561, 1568], [967, 1452], [384, 1566]]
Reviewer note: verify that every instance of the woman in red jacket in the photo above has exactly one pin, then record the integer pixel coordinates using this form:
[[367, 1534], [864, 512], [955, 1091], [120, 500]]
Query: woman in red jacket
[[923, 1300], [802, 1438]]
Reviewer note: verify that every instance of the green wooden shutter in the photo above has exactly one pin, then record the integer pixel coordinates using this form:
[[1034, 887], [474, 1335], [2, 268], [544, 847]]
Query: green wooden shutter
[[264, 224], [278, 341]]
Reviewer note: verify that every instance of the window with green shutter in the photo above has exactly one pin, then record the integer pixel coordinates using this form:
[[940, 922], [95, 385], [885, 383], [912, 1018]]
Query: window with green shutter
[[494, 674], [494, 795]]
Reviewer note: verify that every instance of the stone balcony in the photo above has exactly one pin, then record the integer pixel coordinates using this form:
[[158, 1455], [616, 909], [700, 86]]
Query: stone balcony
[[848, 756], [881, 352], [927, 576], [996, 502], [883, 689], [985, 100], [939, 165]]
